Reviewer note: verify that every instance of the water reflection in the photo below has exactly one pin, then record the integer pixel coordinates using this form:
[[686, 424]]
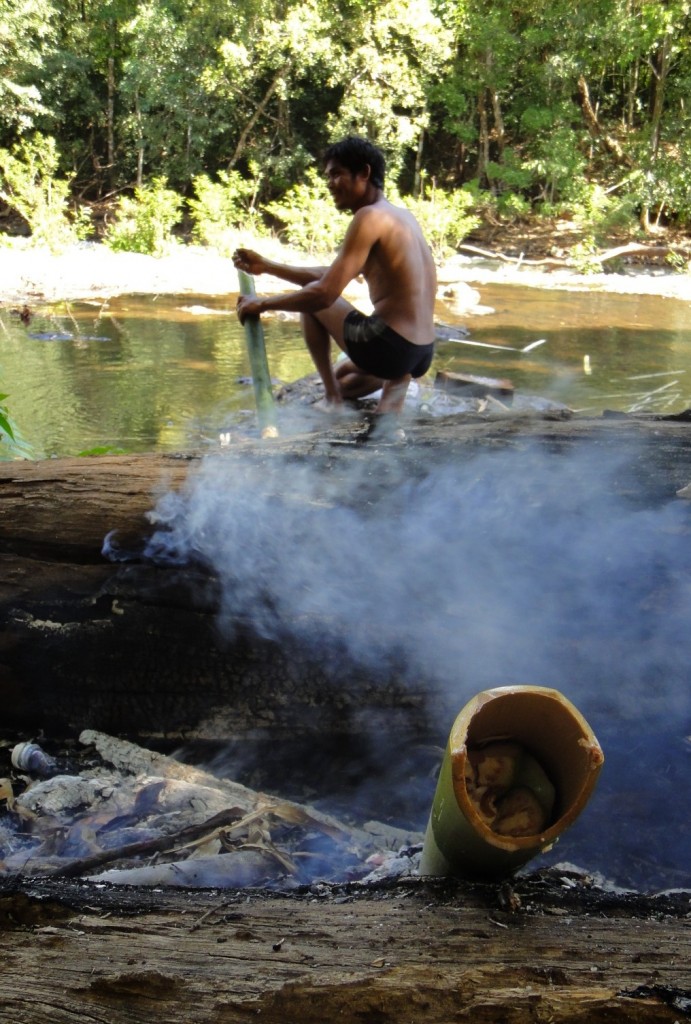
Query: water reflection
[[160, 374], [624, 352]]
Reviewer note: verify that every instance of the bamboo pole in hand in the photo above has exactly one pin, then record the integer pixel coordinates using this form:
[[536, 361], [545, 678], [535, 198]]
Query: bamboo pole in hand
[[261, 378]]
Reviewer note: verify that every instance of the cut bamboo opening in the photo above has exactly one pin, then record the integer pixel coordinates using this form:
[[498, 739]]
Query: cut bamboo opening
[[558, 762]]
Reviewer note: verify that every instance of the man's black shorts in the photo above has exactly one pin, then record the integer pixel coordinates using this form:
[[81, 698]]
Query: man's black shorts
[[375, 348]]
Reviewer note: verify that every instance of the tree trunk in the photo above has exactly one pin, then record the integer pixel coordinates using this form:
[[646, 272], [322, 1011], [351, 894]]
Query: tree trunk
[[499, 131], [140, 142], [417, 180], [110, 118], [483, 135], [260, 108], [540, 950], [660, 66], [594, 127]]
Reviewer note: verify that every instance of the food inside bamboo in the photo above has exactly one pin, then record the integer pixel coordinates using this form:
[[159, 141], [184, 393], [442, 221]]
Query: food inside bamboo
[[509, 788]]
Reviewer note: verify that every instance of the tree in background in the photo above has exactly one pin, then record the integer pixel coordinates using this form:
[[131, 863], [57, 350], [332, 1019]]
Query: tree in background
[[27, 38], [543, 106], [546, 98]]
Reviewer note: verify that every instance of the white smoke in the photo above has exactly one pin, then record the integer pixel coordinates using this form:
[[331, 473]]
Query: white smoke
[[519, 566]]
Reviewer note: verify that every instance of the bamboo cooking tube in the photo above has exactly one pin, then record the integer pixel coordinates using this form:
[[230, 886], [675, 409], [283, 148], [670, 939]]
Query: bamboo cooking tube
[[256, 349], [520, 765]]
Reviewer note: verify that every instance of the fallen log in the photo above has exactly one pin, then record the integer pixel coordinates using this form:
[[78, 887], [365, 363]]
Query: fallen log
[[547, 261], [652, 252], [87, 642], [546, 948]]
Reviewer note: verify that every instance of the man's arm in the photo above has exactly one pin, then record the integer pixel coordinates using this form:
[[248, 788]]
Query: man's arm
[[252, 263], [321, 288]]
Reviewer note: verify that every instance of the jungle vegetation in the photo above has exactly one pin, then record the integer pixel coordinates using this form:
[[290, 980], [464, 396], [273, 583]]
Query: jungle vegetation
[[214, 112]]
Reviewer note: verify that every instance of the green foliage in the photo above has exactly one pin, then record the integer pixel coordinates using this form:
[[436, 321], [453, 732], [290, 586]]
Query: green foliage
[[394, 53], [28, 184], [185, 90], [678, 263], [12, 445], [513, 207], [509, 180], [662, 186], [145, 222], [309, 220], [224, 207], [554, 157], [27, 38], [5, 424], [510, 174], [598, 210], [584, 257], [446, 218]]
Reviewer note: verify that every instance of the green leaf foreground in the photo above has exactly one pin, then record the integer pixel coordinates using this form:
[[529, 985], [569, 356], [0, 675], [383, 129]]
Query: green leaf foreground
[[5, 426]]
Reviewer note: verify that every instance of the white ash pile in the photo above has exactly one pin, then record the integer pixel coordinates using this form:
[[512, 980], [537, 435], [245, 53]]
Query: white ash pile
[[138, 817]]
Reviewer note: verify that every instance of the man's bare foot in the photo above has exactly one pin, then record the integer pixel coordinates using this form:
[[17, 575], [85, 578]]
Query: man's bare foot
[[334, 407], [386, 427]]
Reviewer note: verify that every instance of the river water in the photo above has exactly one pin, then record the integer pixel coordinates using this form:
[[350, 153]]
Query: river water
[[164, 374]]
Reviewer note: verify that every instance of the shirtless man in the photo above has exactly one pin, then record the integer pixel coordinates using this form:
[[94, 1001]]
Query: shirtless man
[[384, 243]]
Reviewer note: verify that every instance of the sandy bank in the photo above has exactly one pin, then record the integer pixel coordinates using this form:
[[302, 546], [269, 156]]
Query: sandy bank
[[91, 271]]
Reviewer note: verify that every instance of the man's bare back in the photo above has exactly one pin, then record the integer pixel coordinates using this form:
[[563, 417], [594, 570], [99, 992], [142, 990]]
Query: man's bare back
[[400, 273], [385, 244]]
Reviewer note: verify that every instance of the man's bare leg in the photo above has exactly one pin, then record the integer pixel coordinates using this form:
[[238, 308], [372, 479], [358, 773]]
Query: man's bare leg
[[318, 341], [355, 383], [393, 394], [318, 330]]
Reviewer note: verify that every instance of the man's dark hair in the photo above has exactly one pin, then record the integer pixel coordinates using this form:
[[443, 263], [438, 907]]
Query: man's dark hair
[[355, 154]]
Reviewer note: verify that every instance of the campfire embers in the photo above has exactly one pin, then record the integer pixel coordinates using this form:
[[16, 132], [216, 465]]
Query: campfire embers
[[520, 765], [138, 817]]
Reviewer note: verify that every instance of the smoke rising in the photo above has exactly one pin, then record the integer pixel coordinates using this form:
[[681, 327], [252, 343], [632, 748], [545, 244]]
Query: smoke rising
[[519, 566]]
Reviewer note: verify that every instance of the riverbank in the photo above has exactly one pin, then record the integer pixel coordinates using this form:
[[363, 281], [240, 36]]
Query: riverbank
[[91, 271]]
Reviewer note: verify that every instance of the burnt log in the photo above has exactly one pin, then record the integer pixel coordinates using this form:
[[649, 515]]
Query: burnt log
[[544, 949], [133, 647]]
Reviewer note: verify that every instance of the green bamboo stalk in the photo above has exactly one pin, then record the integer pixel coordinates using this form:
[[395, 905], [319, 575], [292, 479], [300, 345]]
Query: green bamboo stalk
[[256, 348], [458, 840]]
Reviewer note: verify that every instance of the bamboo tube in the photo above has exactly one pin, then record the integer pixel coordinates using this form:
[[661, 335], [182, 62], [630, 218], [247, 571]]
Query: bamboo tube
[[559, 762], [261, 378]]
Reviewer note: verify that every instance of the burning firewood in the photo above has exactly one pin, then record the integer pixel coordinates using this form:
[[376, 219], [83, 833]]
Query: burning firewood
[[144, 818]]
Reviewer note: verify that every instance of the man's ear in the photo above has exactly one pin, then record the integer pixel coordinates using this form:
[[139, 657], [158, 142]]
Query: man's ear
[[366, 172]]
